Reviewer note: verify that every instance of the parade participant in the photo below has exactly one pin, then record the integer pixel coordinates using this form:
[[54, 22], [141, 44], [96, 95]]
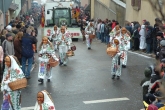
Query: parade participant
[[142, 38], [12, 72], [89, 30], [113, 33], [44, 101], [55, 37], [82, 28], [126, 42], [116, 60], [64, 41], [46, 51]]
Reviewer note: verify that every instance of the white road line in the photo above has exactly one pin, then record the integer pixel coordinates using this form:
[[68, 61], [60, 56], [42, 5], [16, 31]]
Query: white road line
[[105, 100], [27, 108], [139, 54]]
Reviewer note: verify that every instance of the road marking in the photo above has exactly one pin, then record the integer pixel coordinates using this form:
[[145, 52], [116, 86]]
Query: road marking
[[105, 100], [27, 108], [139, 54]]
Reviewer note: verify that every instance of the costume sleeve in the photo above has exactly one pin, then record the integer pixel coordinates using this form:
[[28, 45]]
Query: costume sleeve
[[1, 54], [54, 56]]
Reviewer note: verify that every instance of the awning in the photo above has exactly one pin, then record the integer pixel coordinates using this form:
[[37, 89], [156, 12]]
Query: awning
[[13, 6]]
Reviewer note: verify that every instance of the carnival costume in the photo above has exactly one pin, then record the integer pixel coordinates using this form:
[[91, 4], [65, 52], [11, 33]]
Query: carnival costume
[[45, 53], [55, 38], [112, 34], [89, 30], [11, 99], [64, 41], [47, 104]]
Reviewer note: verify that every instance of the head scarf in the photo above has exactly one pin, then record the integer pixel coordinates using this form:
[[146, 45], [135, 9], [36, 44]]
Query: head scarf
[[48, 102], [16, 74]]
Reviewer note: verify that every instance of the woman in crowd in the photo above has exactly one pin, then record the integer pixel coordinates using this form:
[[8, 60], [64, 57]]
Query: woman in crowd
[[55, 37], [3, 35], [46, 51], [64, 42], [12, 72], [89, 30], [18, 45], [136, 36], [44, 101]]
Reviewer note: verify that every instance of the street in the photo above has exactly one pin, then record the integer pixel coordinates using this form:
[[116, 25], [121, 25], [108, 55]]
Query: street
[[86, 84]]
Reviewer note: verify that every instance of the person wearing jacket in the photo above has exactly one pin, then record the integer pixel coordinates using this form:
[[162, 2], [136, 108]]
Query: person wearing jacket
[[149, 39], [27, 52], [160, 37], [136, 36]]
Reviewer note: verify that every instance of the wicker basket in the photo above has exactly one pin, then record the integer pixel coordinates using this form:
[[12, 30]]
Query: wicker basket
[[111, 51], [53, 62], [18, 84], [92, 36], [70, 53]]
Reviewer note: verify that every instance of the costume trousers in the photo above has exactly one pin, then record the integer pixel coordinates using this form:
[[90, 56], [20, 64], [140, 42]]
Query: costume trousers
[[88, 41], [124, 61], [116, 65]]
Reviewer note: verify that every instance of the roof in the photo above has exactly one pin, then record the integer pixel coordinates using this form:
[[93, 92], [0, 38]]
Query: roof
[[120, 3], [13, 6]]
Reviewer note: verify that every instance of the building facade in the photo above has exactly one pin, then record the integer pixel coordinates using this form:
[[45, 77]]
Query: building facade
[[84, 2], [139, 10], [108, 9]]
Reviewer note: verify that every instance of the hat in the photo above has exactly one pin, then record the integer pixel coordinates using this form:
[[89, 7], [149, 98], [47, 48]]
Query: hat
[[151, 98], [9, 28], [163, 60], [162, 43], [159, 33], [8, 35]]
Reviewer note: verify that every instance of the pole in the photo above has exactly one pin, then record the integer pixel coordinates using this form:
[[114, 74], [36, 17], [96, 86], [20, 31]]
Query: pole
[[4, 13]]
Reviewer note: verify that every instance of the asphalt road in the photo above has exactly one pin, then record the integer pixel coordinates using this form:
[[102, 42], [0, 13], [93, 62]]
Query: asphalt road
[[87, 78]]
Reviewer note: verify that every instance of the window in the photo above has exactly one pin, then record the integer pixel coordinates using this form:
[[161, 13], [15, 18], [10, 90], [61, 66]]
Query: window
[[136, 4]]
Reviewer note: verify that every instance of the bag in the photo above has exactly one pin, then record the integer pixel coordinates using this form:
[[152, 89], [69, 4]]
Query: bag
[[53, 62], [91, 36], [73, 48]]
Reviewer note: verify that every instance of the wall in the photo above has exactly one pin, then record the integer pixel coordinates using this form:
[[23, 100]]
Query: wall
[[84, 2], [101, 11], [1, 21], [16, 12], [105, 2], [145, 12]]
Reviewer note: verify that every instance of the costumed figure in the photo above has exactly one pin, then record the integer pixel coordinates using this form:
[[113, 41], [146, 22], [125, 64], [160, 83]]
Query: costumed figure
[[142, 37], [12, 72], [89, 30], [55, 37], [46, 52], [44, 101], [124, 35], [113, 33], [64, 42], [117, 59]]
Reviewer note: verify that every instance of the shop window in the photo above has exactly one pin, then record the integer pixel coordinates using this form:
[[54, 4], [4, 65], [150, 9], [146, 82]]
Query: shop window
[[136, 4]]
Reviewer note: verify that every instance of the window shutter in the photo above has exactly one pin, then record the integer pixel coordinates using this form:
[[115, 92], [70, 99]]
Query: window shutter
[[133, 2]]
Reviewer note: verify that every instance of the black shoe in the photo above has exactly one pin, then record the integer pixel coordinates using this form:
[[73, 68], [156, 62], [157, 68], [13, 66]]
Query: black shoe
[[28, 77], [48, 80], [123, 66], [89, 48], [60, 64], [65, 65], [118, 77], [40, 80], [113, 77]]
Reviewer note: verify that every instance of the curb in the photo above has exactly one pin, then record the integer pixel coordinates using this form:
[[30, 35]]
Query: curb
[[152, 55]]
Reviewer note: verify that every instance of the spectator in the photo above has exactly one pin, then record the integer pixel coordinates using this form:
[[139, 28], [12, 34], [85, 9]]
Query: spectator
[[18, 46], [149, 39], [9, 29], [142, 38], [136, 36], [8, 45], [27, 52], [3, 36], [102, 30], [159, 37], [113, 23]]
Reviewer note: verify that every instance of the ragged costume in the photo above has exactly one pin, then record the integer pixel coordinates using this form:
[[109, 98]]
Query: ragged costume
[[64, 42], [89, 30], [11, 99], [45, 53], [55, 34]]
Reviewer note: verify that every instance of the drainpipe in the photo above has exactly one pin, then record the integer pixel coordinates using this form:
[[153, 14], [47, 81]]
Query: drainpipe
[[4, 13]]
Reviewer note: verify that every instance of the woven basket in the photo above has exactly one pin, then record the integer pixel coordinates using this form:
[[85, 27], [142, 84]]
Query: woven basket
[[111, 51], [53, 62], [18, 84], [91, 36], [70, 53]]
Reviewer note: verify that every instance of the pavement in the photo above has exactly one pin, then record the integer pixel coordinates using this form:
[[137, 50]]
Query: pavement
[[86, 84]]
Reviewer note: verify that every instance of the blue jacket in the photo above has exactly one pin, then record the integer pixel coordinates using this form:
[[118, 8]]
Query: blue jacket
[[27, 49]]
